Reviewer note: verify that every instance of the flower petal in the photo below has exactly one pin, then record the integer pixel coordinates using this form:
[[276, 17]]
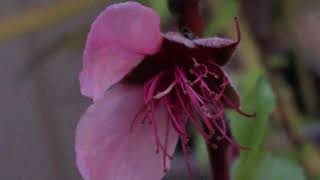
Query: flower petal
[[106, 149], [218, 49], [105, 68], [231, 100], [176, 39], [232, 96], [118, 40], [128, 25]]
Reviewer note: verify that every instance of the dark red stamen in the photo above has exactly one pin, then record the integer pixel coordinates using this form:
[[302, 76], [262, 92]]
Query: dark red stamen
[[195, 91]]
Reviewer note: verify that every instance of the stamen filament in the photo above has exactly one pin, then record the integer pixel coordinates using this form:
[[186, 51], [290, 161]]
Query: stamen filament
[[165, 92]]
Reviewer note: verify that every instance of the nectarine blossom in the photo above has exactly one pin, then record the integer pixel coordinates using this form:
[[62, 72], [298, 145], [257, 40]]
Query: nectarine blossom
[[146, 86]]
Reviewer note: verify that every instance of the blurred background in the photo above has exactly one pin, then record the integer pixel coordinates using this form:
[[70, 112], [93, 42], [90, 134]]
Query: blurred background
[[276, 69]]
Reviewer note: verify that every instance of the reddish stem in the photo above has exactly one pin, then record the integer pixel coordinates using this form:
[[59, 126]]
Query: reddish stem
[[219, 162]]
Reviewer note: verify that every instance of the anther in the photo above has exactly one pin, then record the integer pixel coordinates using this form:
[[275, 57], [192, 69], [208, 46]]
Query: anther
[[196, 64], [209, 115], [212, 133], [214, 146], [219, 138]]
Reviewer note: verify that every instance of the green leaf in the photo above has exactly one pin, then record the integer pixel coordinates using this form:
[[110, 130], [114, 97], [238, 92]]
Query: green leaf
[[279, 168], [224, 13], [201, 151], [161, 7], [252, 132]]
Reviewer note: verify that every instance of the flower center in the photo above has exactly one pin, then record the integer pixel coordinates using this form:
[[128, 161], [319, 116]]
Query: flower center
[[194, 94], [184, 80]]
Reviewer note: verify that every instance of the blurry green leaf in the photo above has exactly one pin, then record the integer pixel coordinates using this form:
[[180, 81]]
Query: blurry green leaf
[[201, 151], [248, 81], [224, 12], [252, 132], [278, 61], [279, 168], [160, 6]]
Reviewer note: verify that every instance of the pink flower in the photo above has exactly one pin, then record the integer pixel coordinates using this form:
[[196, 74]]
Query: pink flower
[[146, 86]]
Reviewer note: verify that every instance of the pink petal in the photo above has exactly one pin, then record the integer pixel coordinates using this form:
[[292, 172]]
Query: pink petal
[[118, 40], [105, 68], [105, 147]]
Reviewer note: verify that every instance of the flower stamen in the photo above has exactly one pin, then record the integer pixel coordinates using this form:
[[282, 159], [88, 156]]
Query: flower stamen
[[165, 92]]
